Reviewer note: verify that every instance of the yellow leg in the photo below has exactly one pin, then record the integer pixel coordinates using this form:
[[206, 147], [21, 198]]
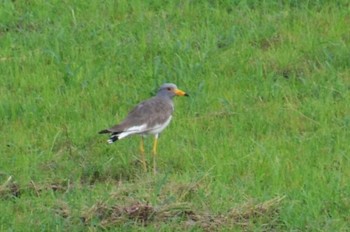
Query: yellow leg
[[154, 152], [142, 151]]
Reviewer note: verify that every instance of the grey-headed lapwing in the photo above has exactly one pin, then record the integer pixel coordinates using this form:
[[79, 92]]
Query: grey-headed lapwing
[[151, 116]]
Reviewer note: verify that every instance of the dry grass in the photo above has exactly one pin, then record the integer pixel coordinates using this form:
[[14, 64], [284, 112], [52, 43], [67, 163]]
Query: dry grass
[[10, 188], [124, 207], [145, 214]]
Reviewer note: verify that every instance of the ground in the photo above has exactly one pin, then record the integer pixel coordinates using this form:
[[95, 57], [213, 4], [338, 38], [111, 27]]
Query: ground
[[261, 144]]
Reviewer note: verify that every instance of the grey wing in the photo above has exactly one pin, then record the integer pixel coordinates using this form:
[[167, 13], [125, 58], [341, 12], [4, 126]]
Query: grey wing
[[151, 112]]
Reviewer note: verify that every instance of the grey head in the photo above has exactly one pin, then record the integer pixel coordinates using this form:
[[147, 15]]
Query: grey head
[[170, 90]]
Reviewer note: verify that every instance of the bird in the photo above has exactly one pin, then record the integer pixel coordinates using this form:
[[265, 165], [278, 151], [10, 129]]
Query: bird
[[151, 116]]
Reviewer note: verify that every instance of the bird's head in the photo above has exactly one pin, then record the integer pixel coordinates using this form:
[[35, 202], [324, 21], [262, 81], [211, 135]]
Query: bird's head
[[171, 90]]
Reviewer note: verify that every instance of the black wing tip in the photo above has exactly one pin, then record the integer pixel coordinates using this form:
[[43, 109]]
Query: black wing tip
[[104, 131]]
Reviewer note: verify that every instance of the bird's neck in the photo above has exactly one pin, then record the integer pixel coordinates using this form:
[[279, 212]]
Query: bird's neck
[[164, 95]]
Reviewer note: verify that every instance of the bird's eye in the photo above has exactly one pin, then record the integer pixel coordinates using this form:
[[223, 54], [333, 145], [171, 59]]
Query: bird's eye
[[168, 88]]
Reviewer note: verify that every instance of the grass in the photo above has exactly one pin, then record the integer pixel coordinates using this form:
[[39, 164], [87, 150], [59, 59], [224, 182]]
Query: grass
[[261, 144]]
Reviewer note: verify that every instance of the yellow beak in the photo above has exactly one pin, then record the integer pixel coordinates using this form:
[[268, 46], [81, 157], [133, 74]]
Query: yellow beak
[[179, 92]]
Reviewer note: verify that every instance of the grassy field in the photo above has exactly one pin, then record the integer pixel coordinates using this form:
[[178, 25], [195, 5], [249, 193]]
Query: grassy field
[[262, 144]]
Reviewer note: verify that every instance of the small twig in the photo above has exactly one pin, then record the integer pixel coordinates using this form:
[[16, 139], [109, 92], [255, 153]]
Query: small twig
[[6, 182], [35, 188]]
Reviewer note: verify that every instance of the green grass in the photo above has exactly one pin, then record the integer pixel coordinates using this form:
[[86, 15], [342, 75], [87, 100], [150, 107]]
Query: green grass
[[261, 144]]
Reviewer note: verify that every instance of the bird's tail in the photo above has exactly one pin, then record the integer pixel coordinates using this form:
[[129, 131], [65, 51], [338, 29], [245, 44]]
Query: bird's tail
[[113, 138]]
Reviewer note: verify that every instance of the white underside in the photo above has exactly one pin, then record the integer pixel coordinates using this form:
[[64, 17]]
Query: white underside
[[159, 128], [132, 130]]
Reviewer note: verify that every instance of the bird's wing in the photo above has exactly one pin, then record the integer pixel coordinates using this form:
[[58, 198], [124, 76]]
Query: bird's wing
[[146, 115]]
